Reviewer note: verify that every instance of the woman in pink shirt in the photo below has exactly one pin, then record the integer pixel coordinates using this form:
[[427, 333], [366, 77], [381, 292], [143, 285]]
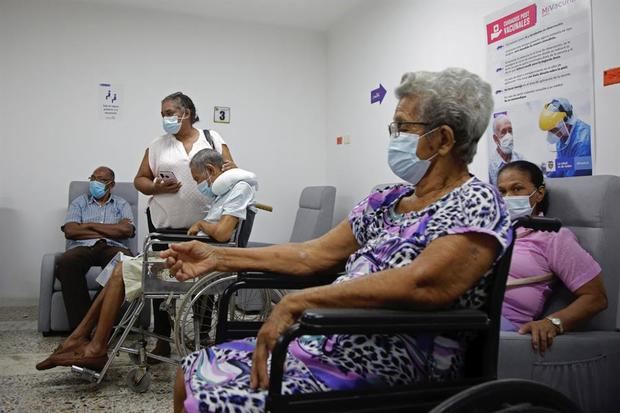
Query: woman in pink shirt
[[539, 259]]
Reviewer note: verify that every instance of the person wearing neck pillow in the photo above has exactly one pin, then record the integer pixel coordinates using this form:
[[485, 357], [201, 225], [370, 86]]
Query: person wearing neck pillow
[[231, 193]]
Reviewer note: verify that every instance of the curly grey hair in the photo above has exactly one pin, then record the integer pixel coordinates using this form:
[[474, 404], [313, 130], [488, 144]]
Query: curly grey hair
[[206, 157], [453, 97]]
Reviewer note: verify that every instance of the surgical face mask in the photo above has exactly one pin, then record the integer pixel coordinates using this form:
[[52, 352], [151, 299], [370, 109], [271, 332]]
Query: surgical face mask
[[506, 143], [205, 189], [403, 159], [519, 205], [97, 189], [172, 124]]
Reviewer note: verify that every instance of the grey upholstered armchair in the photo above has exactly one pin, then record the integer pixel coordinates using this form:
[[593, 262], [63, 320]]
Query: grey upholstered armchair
[[52, 313], [582, 364]]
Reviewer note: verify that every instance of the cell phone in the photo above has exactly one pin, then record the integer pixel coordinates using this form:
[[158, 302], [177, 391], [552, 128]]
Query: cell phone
[[168, 176]]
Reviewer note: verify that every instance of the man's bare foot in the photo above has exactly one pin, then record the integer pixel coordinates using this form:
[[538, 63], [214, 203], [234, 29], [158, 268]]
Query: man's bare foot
[[74, 358], [82, 353], [70, 344], [92, 349]]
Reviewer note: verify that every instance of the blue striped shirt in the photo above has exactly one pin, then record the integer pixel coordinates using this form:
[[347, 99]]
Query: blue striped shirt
[[85, 208]]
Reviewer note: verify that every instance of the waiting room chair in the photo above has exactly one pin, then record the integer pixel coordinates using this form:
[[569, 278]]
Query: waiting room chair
[[314, 217], [52, 312], [582, 364], [480, 359]]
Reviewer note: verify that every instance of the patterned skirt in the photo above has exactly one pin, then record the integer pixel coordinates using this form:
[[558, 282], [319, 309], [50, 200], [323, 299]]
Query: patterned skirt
[[217, 379]]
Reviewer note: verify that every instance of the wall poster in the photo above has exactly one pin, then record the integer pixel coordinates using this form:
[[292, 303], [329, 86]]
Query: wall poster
[[109, 101], [539, 63]]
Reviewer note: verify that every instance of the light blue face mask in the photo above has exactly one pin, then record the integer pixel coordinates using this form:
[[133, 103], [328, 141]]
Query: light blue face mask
[[519, 205], [205, 189], [403, 159], [97, 189], [171, 124]]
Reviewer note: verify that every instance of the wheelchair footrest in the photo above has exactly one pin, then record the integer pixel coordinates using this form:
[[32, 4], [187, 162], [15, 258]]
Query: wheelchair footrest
[[88, 373]]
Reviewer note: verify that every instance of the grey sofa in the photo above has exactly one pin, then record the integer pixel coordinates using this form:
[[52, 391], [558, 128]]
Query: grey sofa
[[584, 364], [52, 313]]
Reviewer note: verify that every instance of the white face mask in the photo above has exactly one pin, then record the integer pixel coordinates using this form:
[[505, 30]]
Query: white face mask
[[519, 205], [506, 143]]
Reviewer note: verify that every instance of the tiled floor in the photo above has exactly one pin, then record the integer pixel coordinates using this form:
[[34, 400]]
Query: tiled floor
[[24, 389]]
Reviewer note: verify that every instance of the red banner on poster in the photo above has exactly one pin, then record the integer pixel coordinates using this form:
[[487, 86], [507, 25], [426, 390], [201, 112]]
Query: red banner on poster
[[511, 24]]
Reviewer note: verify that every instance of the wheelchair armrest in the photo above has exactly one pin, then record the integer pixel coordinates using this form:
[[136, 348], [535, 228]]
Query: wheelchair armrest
[[155, 238], [368, 321], [538, 223], [180, 237], [382, 321], [284, 281]]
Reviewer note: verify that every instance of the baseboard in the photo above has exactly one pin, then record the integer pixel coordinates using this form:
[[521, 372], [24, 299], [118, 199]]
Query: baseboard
[[18, 302]]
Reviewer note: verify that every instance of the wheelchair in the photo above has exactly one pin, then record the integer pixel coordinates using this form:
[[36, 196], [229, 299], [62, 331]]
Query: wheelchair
[[193, 307], [481, 325]]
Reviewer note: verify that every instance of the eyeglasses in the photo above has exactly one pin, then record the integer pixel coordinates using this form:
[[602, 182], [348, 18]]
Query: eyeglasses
[[102, 180], [395, 128]]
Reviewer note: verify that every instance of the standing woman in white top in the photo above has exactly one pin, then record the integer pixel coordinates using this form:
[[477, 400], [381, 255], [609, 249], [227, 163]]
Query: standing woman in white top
[[164, 172], [165, 175]]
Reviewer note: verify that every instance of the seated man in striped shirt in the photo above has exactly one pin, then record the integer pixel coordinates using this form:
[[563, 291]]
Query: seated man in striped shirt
[[97, 225]]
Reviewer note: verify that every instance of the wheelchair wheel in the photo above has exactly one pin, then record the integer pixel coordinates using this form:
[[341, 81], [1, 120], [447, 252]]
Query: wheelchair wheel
[[253, 304], [508, 396], [197, 314], [138, 379]]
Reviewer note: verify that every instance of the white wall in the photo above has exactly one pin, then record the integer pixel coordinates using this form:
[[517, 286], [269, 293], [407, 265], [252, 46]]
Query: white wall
[[291, 92], [53, 56], [606, 33], [382, 40]]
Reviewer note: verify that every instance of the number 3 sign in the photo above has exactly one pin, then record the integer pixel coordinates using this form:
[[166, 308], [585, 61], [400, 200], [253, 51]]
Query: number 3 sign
[[221, 114]]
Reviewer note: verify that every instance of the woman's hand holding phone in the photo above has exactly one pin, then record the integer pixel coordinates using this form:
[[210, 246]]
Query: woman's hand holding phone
[[166, 186]]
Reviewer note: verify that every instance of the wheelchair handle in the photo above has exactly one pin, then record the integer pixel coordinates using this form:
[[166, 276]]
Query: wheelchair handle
[[264, 207], [538, 223]]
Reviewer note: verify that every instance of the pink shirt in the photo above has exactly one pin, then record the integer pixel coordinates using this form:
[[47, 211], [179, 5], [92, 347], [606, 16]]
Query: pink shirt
[[539, 253]]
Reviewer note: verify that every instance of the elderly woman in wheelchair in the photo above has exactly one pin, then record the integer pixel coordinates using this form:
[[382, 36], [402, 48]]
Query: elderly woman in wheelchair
[[234, 192], [427, 244]]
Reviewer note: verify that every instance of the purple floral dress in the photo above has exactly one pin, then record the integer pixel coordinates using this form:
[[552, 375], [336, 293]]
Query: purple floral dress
[[217, 378]]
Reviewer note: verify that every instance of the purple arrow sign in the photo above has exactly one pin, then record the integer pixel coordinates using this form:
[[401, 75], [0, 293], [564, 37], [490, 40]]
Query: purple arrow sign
[[377, 95]]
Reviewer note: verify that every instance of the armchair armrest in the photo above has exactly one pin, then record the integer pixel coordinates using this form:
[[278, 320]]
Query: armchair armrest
[[46, 288]]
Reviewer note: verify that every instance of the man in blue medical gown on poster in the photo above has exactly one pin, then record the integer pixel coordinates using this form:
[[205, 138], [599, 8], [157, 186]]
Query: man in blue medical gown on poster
[[571, 138]]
